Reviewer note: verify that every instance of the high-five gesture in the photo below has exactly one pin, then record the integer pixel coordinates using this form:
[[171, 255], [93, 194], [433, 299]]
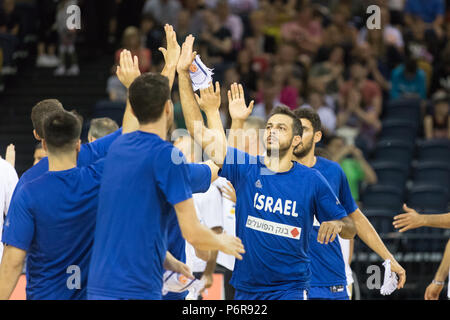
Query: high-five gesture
[[209, 99], [187, 55], [11, 155], [128, 70], [172, 53], [236, 100]]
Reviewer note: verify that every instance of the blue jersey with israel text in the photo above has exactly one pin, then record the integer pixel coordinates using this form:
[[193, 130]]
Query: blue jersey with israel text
[[143, 178], [327, 262], [274, 218], [52, 218]]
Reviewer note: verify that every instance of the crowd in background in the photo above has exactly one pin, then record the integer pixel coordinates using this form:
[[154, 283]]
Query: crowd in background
[[301, 53]]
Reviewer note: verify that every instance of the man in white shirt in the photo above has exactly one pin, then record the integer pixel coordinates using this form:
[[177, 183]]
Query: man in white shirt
[[8, 181]]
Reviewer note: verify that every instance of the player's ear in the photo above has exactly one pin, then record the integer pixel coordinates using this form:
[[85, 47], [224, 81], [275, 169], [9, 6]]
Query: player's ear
[[296, 141], [318, 136], [36, 136]]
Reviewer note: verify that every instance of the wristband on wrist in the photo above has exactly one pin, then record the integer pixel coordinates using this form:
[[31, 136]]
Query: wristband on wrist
[[438, 283]]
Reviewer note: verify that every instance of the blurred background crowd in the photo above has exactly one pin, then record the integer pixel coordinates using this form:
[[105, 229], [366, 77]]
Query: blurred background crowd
[[382, 95]]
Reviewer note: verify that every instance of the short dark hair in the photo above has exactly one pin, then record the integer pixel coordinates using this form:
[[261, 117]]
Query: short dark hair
[[297, 128], [311, 115], [41, 110], [62, 129], [148, 95]]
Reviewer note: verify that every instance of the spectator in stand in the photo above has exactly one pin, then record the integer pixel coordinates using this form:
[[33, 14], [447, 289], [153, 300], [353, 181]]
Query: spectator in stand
[[408, 81], [164, 11], [360, 105], [216, 41], [316, 101], [340, 31], [9, 31], [47, 37], [437, 121], [263, 43], [39, 153], [230, 21], [100, 128], [245, 69], [352, 161], [116, 90], [441, 74], [431, 12], [269, 98], [131, 40], [152, 37], [67, 39], [243, 7], [306, 31]]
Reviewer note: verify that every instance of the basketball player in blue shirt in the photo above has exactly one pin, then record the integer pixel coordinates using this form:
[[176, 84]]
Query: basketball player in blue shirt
[[327, 264], [141, 183], [277, 198]]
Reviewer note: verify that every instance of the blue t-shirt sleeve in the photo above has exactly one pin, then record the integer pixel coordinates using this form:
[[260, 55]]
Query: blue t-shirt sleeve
[[18, 230], [236, 166], [345, 195], [96, 150], [199, 176], [96, 170], [172, 178], [326, 203]]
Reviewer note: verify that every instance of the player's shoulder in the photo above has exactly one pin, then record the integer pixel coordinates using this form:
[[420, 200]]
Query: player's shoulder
[[328, 164]]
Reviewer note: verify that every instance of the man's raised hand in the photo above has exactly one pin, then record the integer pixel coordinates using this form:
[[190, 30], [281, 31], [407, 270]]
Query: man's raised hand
[[173, 51], [236, 101], [209, 99], [128, 70], [187, 55]]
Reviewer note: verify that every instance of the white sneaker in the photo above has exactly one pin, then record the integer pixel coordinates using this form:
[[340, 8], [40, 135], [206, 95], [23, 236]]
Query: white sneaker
[[53, 61], [42, 61], [73, 70], [60, 71]]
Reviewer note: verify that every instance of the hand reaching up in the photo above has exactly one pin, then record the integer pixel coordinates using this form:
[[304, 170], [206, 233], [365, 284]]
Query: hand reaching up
[[236, 100], [173, 51], [128, 70]]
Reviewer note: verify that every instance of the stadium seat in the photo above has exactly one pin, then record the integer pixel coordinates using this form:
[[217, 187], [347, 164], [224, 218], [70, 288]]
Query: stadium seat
[[405, 109], [432, 172], [428, 198], [434, 150], [391, 173], [381, 219], [394, 151], [399, 129], [383, 197]]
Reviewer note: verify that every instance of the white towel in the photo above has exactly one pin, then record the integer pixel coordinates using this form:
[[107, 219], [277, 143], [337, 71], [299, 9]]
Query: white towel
[[390, 279], [176, 282], [201, 75]]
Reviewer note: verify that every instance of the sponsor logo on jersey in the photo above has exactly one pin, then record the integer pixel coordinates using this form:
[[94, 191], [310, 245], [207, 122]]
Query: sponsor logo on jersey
[[278, 229], [258, 184]]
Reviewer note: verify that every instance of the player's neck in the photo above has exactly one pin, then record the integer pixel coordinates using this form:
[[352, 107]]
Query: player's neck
[[159, 128], [62, 162], [309, 160], [278, 164]]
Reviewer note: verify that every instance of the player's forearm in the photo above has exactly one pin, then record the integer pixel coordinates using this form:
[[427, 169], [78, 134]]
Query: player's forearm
[[236, 135], [169, 262], [130, 123], [202, 238], [443, 270], [169, 72], [367, 233], [348, 229], [191, 110], [9, 276], [211, 264], [437, 220]]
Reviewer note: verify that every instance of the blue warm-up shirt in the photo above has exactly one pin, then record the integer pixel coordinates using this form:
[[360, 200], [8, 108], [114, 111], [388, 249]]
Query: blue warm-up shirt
[[141, 182], [274, 218]]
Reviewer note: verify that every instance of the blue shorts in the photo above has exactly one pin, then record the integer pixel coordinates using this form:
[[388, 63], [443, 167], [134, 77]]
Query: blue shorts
[[328, 293], [292, 294]]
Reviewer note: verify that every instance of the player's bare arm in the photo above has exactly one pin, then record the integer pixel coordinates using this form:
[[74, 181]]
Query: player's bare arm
[[172, 264], [239, 112], [435, 287], [330, 229], [202, 238], [212, 141], [367, 233], [10, 270], [411, 219], [171, 54]]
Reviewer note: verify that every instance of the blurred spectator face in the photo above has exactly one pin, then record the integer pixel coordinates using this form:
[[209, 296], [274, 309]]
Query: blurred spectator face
[[257, 21], [337, 55], [358, 72], [305, 15], [231, 76], [315, 100], [147, 24], [131, 38], [287, 54], [279, 75], [410, 69], [39, 153], [210, 18], [269, 90], [441, 109], [9, 5], [183, 19], [244, 57], [335, 145]]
